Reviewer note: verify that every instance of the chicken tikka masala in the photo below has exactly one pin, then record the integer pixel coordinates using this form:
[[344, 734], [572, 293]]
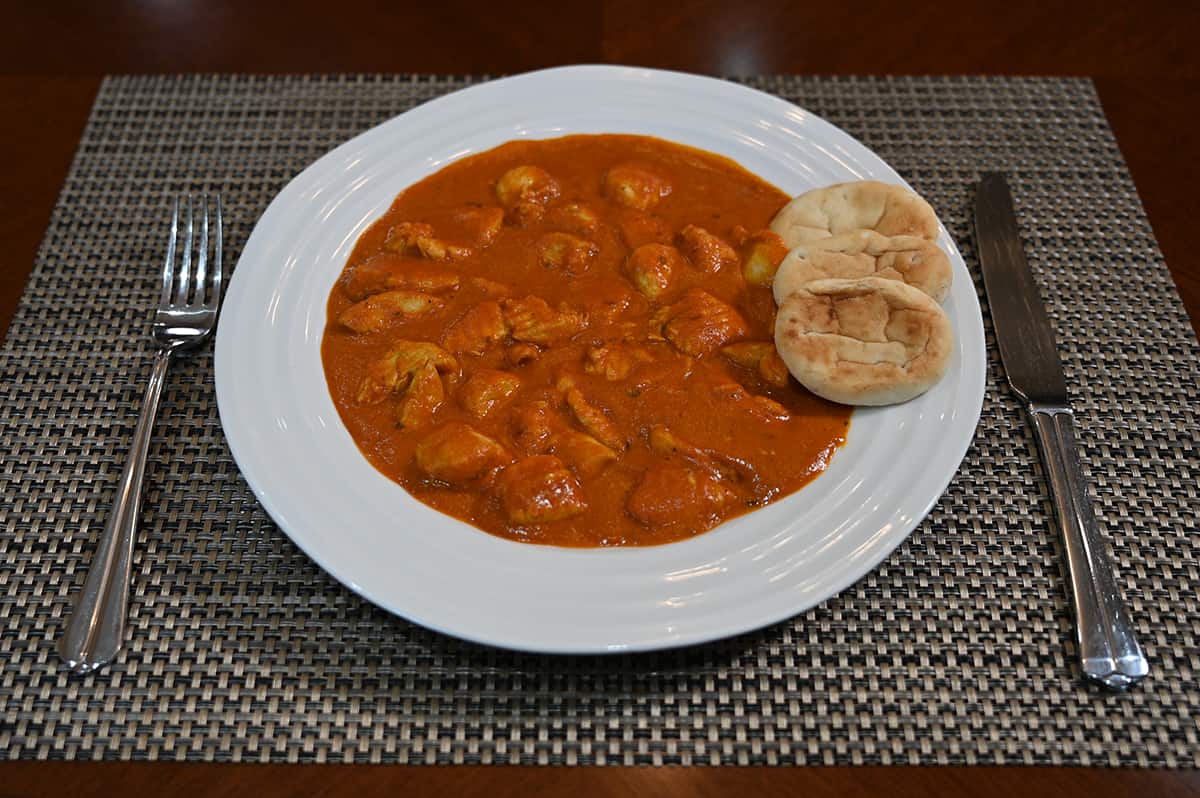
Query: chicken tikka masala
[[569, 342]]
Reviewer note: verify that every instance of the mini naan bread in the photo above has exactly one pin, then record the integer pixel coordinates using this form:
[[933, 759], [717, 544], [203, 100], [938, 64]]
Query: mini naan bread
[[864, 253], [862, 205], [871, 341]]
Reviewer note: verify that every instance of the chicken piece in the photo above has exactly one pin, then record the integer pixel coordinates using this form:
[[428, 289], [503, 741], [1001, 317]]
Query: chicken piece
[[458, 453], [615, 361], [707, 252], [584, 454], [481, 326], [411, 355], [674, 494], [526, 184], [481, 224], [643, 228], [486, 390], [533, 321], [566, 253], [607, 299], [491, 287], [525, 191], [532, 426], [767, 408], [763, 407], [720, 466], [538, 490], [575, 217], [761, 255], [374, 312], [522, 354], [424, 396], [592, 418], [760, 356], [393, 371], [655, 333], [667, 443], [417, 238], [403, 237], [526, 214], [669, 368], [390, 273], [652, 267], [699, 323], [635, 187]]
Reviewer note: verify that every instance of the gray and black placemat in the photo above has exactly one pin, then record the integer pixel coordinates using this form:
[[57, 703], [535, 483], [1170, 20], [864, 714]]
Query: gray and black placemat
[[956, 650]]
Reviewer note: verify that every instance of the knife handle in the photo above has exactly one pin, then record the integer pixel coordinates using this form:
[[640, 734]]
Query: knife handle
[[1108, 648]]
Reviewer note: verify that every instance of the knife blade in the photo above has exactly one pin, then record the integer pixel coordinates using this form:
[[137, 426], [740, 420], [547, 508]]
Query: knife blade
[[1027, 346], [1108, 649]]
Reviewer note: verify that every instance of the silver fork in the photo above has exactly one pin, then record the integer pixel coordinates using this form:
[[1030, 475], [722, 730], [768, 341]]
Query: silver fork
[[186, 315]]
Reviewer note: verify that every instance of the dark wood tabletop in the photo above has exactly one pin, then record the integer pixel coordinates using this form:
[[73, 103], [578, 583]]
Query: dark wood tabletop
[[1142, 57]]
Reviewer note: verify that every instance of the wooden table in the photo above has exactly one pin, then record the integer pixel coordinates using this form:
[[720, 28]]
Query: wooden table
[[1141, 56]]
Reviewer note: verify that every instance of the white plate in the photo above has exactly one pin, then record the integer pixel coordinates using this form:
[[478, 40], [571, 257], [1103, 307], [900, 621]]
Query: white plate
[[372, 536]]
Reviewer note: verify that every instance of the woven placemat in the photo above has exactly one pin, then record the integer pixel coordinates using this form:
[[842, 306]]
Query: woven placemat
[[958, 649]]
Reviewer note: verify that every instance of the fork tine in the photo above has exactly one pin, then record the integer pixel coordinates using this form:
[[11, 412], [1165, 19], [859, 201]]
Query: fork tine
[[215, 297], [185, 276], [169, 266], [202, 254]]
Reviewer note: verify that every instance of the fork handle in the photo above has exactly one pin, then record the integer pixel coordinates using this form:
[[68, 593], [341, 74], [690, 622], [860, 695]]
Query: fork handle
[[96, 629], [1108, 648]]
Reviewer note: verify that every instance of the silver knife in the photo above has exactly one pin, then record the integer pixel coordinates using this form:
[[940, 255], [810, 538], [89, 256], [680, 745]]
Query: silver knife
[[1108, 649]]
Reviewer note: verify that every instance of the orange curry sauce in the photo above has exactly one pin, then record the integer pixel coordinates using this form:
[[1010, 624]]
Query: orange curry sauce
[[500, 346]]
